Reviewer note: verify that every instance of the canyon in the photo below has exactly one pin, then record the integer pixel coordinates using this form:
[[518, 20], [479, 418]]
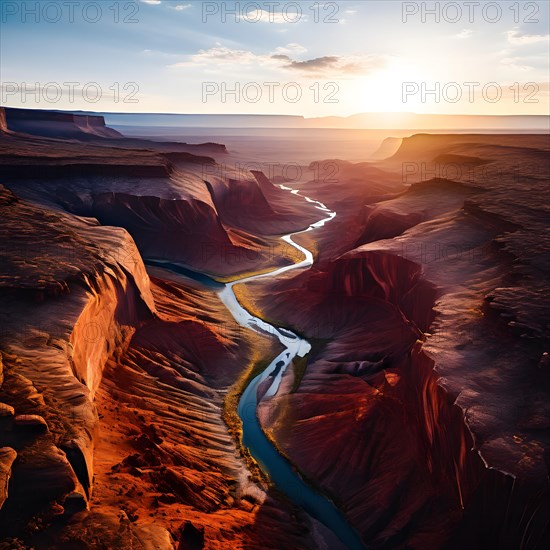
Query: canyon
[[419, 408]]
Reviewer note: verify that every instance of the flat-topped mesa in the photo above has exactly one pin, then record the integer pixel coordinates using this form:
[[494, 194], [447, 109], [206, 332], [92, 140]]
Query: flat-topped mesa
[[92, 127], [422, 147], [56, 124]]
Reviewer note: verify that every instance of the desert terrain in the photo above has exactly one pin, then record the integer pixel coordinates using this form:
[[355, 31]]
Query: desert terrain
[[401, 345]]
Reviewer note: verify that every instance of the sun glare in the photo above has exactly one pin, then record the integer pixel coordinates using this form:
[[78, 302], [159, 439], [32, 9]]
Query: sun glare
[[382, 92]]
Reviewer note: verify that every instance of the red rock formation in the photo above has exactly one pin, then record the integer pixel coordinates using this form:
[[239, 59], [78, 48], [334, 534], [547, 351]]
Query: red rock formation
[[160, 196], [54, 358], [160, 451], [7, 456], [258, 207], [162, 437], [425, 391], [187, 231], [371, 421], [83, 331]]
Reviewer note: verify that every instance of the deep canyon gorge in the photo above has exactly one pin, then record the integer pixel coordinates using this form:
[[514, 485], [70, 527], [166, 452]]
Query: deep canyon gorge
[[412, 292]]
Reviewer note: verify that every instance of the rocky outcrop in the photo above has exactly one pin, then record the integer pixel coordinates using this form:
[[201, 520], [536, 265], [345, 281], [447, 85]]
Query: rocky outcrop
[[422, 394], [27, 123], [89, 296], [420, 202], [257, 206], [160, 227], [387, 148]]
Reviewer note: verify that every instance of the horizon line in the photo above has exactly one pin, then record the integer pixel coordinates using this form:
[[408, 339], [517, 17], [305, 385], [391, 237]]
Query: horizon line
[[302, 117]]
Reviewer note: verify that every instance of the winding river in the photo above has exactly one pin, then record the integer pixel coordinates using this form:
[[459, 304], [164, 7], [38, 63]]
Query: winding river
[[279, 470]]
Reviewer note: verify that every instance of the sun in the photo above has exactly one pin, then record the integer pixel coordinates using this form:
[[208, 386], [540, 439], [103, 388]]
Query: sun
[[382, 91]]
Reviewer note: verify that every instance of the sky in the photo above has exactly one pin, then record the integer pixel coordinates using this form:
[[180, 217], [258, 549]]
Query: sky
[[276, 57]]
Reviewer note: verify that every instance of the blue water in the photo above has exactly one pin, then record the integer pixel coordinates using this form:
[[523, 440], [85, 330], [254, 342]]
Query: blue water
[[285, 477], [186, 272], [279, 470]]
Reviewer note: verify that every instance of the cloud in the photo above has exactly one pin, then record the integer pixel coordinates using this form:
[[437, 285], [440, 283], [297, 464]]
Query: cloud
[[181, 7], [310, 65], [332, 65], [464, 33], [290, 48], [283, 58], [219, 55], [152, 2], [514, 37]]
